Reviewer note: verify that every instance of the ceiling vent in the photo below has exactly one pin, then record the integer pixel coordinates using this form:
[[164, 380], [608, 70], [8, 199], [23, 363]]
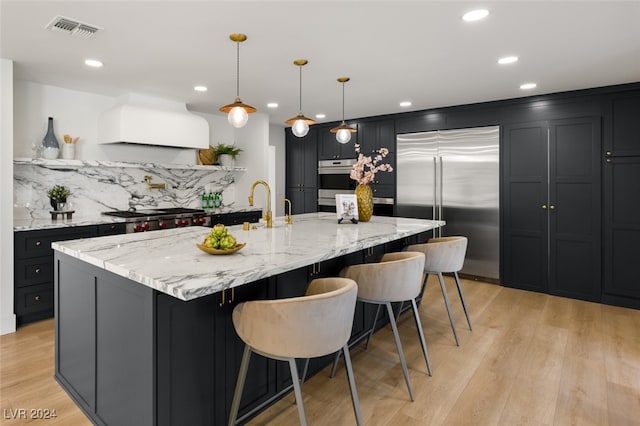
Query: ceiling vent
[[72, 27]]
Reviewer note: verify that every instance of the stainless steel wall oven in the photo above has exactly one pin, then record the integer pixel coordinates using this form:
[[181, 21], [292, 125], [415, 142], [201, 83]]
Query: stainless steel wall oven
[[334, 178]]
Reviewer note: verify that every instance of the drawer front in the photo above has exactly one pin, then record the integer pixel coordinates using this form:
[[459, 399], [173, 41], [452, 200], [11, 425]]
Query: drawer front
[[34, 298], [112, 229], [30, 244], [241, 217], [38, 270]]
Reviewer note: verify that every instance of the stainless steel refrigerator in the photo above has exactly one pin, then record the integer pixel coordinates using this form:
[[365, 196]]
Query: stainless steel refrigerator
[[453, 175]]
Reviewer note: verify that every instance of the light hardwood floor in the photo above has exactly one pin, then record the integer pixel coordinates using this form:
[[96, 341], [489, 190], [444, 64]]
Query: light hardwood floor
[[532, 359]]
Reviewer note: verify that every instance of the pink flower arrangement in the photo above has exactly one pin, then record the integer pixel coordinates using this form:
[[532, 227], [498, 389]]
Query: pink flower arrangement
[[366, 168]]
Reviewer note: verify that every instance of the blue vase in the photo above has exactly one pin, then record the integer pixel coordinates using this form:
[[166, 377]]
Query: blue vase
[[50, 147]]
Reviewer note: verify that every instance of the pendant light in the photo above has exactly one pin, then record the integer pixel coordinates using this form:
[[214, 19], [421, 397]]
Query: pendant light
[[300, 124], [343, 131], [238, 113]]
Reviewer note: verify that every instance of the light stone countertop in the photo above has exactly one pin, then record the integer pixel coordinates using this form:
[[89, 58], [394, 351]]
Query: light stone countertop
[[170, 262]]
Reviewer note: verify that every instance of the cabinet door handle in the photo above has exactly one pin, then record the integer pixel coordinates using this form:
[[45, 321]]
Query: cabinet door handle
[[544, 206], [608, 160], [37, 298], [38, 243], [608, 153], [222, 299], [552, 207], [37, 270]]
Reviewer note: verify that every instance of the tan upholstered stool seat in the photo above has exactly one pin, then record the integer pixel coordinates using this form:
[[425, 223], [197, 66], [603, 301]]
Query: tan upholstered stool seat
[[313, 325], [396, 278], [442, 255]]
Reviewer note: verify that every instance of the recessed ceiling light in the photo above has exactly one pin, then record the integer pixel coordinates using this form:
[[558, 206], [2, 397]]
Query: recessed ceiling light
[[508, 60], [200, 88], [321, 116], [405, 104], [528, 86], [93, 63], [475, 15], [272, 105]]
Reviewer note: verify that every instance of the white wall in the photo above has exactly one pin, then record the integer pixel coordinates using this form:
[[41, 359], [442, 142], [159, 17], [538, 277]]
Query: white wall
[[76, 113], [277, 140], [7, 318], [253, 139]]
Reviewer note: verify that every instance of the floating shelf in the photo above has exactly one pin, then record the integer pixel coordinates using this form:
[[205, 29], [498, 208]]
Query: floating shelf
[[75, 164]]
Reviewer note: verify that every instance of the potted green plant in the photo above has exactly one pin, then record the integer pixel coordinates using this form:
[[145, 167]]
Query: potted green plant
[[58, 194], [226, 154]]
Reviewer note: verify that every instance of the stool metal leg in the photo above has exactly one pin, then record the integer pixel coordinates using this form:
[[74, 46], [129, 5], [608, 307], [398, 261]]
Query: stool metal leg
[[373, 327], [446, 302], [352, 385], [298, 391], [237, 394], [304, 371], [396, 336], [335, 364], [464, 304], [423, 342]]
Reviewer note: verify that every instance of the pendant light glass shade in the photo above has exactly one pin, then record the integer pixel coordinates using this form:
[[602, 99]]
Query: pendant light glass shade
[[300, 128], [343, 136], [238, 112], [343, 131], [300, 124]]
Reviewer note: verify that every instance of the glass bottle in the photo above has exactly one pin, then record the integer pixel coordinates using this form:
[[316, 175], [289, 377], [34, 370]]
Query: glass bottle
[[50, 147], [205, 201]]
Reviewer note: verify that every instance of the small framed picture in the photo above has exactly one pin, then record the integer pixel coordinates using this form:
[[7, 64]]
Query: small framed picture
[[347, 207]]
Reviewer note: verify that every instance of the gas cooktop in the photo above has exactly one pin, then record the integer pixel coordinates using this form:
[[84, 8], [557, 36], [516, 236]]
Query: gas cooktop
[[156, 219], [171, 211]]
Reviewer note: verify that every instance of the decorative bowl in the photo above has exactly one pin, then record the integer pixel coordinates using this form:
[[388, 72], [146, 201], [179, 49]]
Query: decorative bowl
[[220, 251]]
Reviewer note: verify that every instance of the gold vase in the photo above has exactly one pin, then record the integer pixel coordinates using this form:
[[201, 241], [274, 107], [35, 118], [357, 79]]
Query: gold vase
[[364, 195]]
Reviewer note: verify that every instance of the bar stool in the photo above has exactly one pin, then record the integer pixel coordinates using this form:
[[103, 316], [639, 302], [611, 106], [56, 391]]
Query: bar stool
[[396, 278], [313, 325], [445, 254]]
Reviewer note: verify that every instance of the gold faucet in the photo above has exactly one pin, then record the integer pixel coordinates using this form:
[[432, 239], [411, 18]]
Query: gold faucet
[[147, 179], [267, 216], [289, 219]]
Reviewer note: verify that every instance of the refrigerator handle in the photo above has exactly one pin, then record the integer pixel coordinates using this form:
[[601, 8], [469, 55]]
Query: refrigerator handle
[[441, 193], [435, 190]]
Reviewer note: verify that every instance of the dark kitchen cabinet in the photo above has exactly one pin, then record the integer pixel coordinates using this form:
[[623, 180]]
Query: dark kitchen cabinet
[[373, 136], [551, 198], [330, 149], [33, 269], [112, 229], [621, 162], [302, 171], [260, 384]]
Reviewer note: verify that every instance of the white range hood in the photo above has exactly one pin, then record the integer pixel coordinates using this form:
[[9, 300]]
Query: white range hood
[[141, 119]]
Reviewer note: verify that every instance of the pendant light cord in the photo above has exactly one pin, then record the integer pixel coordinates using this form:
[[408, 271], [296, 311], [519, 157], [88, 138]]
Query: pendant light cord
[[237, 69], [343, 102], [300, 89]]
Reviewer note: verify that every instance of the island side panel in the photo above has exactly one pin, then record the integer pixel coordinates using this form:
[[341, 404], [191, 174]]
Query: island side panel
[[105, 355]]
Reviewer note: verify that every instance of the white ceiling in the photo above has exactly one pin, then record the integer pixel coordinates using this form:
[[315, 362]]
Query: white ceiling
[[393, 51]]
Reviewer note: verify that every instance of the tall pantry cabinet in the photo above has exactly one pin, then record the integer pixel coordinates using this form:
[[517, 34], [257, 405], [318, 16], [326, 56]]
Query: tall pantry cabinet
[[622, 198], [552, 206]]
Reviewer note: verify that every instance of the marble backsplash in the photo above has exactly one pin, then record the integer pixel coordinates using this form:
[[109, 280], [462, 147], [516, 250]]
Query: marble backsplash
[[98, 186]]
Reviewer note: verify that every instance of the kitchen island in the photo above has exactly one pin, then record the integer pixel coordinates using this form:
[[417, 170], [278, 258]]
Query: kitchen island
[[143, 321]]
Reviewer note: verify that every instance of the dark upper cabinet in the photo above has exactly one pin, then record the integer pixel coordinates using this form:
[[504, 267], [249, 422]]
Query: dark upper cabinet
[[551, 233], [373, 136], [622, 126], [621, 163], [377, 134], [302, 171], [330, 149]]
